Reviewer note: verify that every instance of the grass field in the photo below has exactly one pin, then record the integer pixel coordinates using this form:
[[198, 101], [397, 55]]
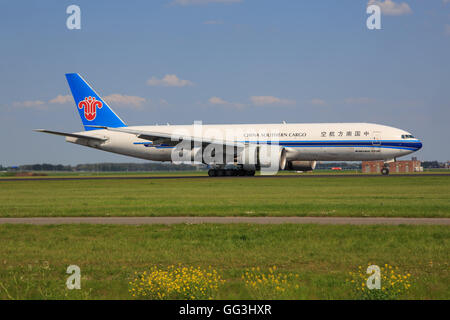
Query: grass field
[[34, 258], [67, 174], [416, 196]]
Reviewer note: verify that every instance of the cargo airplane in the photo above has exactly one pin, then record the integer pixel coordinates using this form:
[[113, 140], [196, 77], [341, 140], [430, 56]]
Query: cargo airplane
[[237, 149]]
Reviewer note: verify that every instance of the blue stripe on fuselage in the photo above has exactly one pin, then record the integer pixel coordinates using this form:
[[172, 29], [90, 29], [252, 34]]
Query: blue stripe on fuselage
[[413, 145], [391, 144]]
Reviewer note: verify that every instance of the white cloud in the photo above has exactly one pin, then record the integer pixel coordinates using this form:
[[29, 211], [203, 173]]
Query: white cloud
[[33, 104], [359, 100], [268, 100], [390, 7], [221, 102], [318, 102], [201, 2], [60, 99], [217, 100], [120, 100], [169, 80]]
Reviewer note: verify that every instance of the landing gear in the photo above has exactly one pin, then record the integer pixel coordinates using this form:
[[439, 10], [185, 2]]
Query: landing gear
[[250, 173], [385, 171], [212, 173], [230, 172]]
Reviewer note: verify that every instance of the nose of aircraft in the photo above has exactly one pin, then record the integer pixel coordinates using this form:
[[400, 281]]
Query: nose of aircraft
[[419, 144]]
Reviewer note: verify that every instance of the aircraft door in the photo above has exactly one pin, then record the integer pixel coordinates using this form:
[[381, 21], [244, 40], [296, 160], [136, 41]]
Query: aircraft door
[[376, 141]]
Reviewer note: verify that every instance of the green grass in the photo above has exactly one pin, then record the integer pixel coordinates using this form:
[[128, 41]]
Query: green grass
[[416, 196], [67, 174], [34, 258]]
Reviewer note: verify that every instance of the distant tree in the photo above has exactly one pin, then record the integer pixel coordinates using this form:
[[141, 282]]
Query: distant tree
[[430, 164]]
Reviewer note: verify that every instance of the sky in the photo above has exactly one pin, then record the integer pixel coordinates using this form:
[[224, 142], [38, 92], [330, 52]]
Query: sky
[[222, 61]]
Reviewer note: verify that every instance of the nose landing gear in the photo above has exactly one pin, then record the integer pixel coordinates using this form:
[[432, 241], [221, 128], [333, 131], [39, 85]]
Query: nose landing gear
[[386, 165]]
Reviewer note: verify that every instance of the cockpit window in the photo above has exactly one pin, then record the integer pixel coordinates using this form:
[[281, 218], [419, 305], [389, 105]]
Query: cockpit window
[[407, 136]]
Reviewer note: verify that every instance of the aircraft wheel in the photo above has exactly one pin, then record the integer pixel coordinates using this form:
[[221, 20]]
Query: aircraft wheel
[[220, 173], [212, 172], [385, 171]]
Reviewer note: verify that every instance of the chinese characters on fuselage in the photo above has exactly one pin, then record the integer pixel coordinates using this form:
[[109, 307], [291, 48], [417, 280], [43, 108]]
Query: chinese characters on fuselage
[[341, 133]]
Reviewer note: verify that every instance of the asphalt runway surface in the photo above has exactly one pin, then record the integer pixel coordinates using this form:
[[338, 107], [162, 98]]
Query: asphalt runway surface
[[226, 220], [225, 177]]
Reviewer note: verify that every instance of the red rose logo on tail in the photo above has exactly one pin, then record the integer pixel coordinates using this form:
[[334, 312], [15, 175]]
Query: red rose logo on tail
[[90, 106]]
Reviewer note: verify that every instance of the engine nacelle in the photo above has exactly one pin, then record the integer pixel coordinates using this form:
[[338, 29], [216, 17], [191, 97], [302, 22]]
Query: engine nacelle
[[262, 156], [301, 165]]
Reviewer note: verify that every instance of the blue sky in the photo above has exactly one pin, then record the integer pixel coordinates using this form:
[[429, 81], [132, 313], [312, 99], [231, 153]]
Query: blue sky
[[222, 61]]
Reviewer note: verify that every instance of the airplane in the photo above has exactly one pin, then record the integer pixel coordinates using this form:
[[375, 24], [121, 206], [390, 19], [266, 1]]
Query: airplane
[[235, 149]]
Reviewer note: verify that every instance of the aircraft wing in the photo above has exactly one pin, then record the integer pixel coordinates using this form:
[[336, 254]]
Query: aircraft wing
[[172, 139], [73, 135]]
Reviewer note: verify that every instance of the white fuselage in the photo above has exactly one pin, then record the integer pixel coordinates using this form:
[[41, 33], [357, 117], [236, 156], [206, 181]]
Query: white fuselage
[[320, 141]]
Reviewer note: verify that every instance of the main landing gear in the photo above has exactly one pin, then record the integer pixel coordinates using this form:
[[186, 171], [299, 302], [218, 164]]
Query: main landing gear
[[385, 171], [230, 172]]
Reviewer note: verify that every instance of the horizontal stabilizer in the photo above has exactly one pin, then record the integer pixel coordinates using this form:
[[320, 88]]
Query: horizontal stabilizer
[[73, 135]]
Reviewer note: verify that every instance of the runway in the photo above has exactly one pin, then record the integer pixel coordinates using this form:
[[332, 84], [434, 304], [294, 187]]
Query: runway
[[227, 220], [231, 177]]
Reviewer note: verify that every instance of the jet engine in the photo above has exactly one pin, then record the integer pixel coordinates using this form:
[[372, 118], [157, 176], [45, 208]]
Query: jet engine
[[262, 156], [301, 165]]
